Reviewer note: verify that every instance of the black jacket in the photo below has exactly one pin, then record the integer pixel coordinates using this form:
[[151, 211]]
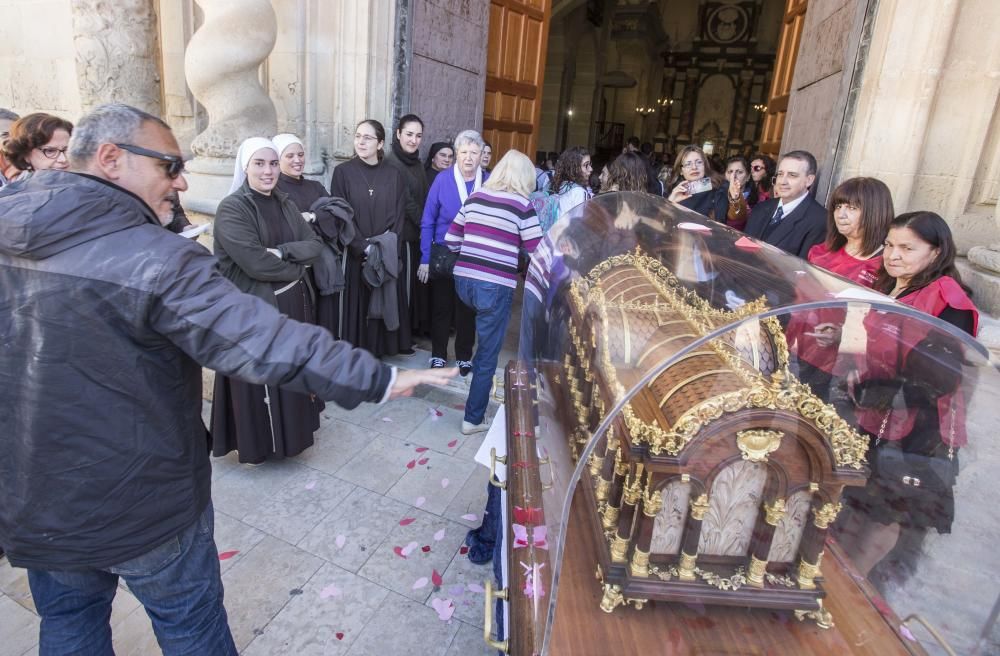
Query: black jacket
[[415, 179], [800, 230], [240, 234], [105, 320]]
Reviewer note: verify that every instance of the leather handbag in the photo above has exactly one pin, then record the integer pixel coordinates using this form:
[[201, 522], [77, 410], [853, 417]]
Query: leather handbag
[[442, 262]]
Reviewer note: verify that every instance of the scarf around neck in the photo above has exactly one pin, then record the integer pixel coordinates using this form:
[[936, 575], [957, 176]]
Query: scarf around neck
[[410, 159], [463, 193]]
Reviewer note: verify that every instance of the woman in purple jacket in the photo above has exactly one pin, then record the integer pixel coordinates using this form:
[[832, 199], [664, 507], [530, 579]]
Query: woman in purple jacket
[[444, 199]]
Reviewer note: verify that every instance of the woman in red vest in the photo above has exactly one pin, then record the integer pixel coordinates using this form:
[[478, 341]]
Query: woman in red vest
[[908, 397], [858, 217]]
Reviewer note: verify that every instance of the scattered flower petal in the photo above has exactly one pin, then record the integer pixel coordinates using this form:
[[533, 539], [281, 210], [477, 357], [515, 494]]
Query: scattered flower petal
[[463, 550], [387, 420], [419, 502], [399, 552], [420, 449], [340, 635], [310, 485], [329, 591], [905, 632], [411, 464], [406, 521], [408, 549], [419, 583], [451, 445], [226, 555], [426, 548], [422, 461], [475, 587], [445, 609], [439, 535], [445, 482], [470, 517], [436, 578], [340, 541]]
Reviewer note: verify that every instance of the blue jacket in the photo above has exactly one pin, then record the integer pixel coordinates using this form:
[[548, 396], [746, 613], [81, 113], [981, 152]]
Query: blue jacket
[[440, 209]]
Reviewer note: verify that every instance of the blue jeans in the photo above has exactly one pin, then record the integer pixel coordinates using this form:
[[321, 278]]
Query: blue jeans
[[492, 305], [178, 583]]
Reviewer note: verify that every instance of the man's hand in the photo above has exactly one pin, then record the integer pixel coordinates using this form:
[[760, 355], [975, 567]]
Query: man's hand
[[423, 272], [408, 379]]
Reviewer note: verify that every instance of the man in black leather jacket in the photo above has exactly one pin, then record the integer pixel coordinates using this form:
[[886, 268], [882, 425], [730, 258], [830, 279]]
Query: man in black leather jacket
[[106, 319]]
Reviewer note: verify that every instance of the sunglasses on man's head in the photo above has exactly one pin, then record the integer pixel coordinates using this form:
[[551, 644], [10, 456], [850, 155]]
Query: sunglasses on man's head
[[174, 164]]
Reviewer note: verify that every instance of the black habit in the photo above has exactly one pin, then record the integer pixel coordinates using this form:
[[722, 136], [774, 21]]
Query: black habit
[[264, 422], [378, 195]]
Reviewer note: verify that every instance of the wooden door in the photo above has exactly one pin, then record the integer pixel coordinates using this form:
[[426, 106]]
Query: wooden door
[[781, 81], [515, 68]]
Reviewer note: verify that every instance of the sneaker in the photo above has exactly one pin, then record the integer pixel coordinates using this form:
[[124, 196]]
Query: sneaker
[[438, 363], [469, 429], [464, 367]]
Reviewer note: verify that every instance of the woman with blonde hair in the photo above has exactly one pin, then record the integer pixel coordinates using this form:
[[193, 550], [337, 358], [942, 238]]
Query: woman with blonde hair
[[491, 229]]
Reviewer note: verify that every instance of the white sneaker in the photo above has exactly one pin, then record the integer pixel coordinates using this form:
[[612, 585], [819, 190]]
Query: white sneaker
[[470, 429], [438, 363]]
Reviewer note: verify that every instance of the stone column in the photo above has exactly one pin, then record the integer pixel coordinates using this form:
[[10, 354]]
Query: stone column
[[740, 107], [685, 129], [221, 65], [116, 54]]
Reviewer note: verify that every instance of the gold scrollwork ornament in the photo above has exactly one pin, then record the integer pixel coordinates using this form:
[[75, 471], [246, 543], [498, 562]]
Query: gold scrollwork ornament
[[825, 515], [756, 445], [774, 511], [699, 507]]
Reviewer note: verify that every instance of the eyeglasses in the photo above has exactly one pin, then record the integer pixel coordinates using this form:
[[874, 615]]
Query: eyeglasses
[[174, 164], [52, 152], [757, 168], [365, 138], [692, 164]]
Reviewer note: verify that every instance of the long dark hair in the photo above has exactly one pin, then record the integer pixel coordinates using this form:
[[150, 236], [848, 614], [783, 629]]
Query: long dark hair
[[932, 229], [569, 168], [874, 200], [628, 173], [766, 183]]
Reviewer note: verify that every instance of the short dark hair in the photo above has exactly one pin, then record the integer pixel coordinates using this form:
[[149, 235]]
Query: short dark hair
[[874, 200], [409, 118], [934, 230], [30, 132], [633, 141], [802, 156], [646, 148]]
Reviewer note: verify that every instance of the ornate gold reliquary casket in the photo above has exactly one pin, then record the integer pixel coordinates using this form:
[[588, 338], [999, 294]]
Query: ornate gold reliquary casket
[[719, 479]]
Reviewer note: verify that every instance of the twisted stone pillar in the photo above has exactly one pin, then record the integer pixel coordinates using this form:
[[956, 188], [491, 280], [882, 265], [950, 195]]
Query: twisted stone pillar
[[221, 65]]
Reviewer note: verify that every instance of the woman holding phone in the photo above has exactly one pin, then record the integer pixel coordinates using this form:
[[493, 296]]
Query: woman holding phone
[[694, 180]]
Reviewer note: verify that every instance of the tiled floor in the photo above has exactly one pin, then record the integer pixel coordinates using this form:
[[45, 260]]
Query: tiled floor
[[336, 551]]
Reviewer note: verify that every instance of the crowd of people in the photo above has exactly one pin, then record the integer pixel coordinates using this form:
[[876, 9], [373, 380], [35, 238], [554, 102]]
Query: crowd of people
[[305, 290]]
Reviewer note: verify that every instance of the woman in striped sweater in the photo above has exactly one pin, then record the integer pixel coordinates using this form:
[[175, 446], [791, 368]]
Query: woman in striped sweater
[[493, 225]]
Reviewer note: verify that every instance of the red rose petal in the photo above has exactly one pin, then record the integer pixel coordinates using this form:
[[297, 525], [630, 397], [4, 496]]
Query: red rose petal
[[406, 521], [436, 578], [463, 550], [226, 555], [426, 548], [422, 461], [420, 449], [340, 635], [411, 464], [399, 552], [452, 443]]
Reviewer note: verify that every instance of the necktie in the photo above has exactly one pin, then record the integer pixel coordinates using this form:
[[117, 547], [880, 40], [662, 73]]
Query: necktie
[[778, 215]]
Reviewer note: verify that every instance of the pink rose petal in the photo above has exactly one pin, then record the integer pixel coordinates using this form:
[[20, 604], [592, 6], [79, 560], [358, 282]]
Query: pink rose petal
[[470, 517], [419, 583], [451, 445], [340, 541], [411, 464], [439, 535], [329, 591], [226, 555], [310, 485], [422, 461], [445, 482], [445, 609], [406, 521], [419, 502], [475, 587], [420, 449], [905, 632], [408, 549], [436, 578], [399, 552], [387, 420]]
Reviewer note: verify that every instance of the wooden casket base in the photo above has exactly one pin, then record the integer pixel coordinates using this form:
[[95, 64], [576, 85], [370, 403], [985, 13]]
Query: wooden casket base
[[581, 628]]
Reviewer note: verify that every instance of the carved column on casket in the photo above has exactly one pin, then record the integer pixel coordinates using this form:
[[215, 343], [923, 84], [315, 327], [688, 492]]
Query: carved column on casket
[[652, 503], [631, 495], [222, 64], [811, 549], [760, 543], [616, 487], [692, 536], [116, 54]]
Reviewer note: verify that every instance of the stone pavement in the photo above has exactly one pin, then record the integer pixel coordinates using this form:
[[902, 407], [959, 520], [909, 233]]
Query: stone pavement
[[353, 547]]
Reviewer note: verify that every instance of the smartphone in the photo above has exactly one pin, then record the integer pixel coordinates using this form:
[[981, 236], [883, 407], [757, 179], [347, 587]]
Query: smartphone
[[698, 186]]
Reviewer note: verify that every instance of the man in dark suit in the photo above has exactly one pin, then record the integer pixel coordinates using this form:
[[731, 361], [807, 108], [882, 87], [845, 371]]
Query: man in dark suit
[[792, 221]]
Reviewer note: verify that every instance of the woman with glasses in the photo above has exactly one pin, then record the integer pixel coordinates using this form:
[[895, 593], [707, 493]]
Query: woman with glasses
[[38, 142], [263, 245], [375, 316], [571, 178], [762, 170], [694, 180], [445, 198]]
